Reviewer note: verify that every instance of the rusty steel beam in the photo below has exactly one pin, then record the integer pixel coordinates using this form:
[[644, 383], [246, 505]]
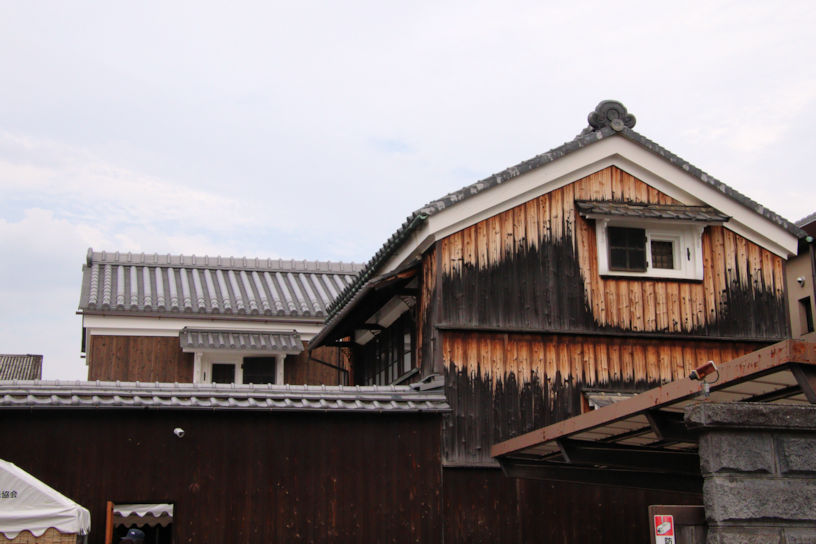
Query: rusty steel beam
[[632, 457], [637, 479], [669, 426], [806, 378], [755, 363]]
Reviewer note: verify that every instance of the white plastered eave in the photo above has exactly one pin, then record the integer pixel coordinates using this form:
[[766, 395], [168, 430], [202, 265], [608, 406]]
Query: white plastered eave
[[613, 151]]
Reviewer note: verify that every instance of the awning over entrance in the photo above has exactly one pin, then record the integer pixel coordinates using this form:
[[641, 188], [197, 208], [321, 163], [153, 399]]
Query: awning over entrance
[[143, 514], [287, 342], [642, 441]]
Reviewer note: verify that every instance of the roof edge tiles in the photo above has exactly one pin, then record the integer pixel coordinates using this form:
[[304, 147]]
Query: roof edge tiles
[[206, 261], [286, 342], [29, 395], [609, 118]]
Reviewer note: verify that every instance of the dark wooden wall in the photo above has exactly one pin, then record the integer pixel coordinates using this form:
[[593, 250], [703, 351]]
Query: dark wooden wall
[[504, 385], [310, 368], [243, 477], [139, 358], [484, 506], [160, 359]]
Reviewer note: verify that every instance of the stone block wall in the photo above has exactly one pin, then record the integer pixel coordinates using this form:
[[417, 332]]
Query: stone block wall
[[759, 467]]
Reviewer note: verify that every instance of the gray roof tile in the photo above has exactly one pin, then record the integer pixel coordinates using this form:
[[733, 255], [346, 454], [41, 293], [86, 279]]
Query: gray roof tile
[[677, 212], [172, 396], [288, 342], [180, 284], [20, 367]]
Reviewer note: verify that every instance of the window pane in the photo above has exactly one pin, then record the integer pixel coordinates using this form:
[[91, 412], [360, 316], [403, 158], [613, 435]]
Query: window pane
[[662, 254], [223, 373], [627, 249], [259, 370]]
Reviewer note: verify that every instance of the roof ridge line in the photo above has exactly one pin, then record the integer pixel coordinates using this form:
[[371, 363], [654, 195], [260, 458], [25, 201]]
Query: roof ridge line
[[208, 261]]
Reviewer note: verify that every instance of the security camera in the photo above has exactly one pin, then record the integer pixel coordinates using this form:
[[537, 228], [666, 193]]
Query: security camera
[[801, 281], [179, 432], [703, 371]]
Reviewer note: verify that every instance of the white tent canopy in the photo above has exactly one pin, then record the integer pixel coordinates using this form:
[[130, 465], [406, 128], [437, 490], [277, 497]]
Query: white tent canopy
[[28, 504]]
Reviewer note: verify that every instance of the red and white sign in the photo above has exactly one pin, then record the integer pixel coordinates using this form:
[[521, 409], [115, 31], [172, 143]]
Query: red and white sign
[[664, 530]]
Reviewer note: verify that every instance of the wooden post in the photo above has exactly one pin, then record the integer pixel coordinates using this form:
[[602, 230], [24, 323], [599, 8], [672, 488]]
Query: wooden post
[[109, 523]]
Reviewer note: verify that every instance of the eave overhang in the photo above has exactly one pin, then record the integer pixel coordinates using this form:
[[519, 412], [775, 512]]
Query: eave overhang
[[372, 296]]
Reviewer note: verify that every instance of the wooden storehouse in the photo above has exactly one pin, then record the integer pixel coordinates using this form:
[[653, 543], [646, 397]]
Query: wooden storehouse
[[596, 270], [200, 319]]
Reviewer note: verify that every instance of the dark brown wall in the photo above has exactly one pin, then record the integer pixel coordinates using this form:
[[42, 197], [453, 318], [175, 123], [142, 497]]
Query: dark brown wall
[[503, 385], [310, 368], [482, 505], [139, 358], [243, 477]]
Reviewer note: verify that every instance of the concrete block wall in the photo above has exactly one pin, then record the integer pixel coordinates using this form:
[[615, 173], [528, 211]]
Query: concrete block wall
[[759, 467]]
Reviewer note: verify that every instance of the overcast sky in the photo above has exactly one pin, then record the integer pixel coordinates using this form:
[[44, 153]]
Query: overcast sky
[[310, 130]]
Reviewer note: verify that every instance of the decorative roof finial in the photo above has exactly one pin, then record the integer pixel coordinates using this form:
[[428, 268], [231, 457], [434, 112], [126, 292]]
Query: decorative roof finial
[[611, 113]]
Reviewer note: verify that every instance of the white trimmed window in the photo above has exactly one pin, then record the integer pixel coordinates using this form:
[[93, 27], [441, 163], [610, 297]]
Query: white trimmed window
[[653, 249]]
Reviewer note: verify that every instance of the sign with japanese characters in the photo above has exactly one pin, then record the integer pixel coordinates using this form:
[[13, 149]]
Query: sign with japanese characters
[[664, 530]]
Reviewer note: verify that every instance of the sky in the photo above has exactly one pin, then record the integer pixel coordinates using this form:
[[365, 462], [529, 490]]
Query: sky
[[310, 130]]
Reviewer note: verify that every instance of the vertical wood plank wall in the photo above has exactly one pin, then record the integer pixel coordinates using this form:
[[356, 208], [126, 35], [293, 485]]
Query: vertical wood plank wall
[[139, 358], [504, 385], [535, 266], [523, 322], [302, 369], [243, 477], [160, 359]]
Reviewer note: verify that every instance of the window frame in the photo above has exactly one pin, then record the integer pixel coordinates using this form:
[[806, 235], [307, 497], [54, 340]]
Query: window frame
[[686, 238]]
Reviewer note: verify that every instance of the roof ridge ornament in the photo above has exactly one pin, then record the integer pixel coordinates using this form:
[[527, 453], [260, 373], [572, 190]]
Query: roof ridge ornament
[[611, 113]]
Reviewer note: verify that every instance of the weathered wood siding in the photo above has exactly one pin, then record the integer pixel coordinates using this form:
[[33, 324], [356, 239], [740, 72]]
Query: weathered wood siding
[[514, 311], [483, 505], [534, 267], [307, 369], [139, 358], [503, 385], [243, 477]]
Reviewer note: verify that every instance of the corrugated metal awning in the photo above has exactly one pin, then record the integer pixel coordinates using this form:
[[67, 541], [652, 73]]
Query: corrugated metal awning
[[643, 441], [675, 212], [286, 342]]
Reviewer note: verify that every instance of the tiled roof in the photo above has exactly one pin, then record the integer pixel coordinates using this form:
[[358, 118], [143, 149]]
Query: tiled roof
[[609, 118], [20, 367], [677, 212], [177, 284], [806, 221], [263, 398], [209, 339]]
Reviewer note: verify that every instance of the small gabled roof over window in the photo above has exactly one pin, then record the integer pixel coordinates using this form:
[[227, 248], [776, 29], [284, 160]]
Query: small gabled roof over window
[[287, 342], [674, 212]]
